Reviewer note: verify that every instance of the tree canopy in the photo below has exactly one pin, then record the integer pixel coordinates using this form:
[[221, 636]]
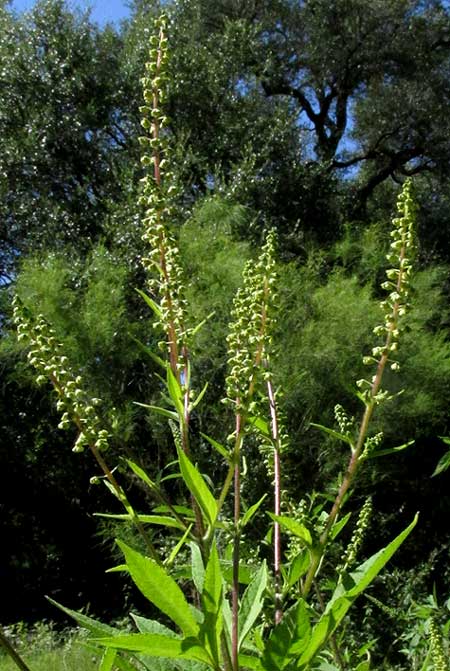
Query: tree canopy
[[302, 115]]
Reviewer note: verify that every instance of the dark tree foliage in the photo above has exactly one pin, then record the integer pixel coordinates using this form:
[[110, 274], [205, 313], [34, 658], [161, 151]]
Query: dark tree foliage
[[302, 115]]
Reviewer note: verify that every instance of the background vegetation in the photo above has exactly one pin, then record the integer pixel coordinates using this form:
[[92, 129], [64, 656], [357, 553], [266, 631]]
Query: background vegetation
[[300, 115]]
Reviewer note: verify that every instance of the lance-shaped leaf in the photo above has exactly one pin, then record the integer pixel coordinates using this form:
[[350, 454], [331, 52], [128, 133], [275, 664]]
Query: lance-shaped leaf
[[108, 660], [252, 603], [334, 434], [294, 528], [197, 567], [151, 303], [170, 414], [162, 520], [97, 629], [175, 392], [158, 645], [198, 488], [444, 462], [212, 605], [218, 446], [159, 588], [390, 450], [346, 593], [288, 639], [251, 511]]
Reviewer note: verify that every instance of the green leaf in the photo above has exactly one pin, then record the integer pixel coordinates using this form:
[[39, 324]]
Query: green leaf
[[120, 568], [157, 645], [157, 359], [198, 487], [175, 393], [160, 411], [294, 527], [159, 588], [444, 462], [298, 567], [334, 434], [391, 450], [212, 605], [338, 526], [249, 662], [202, 323], [288, 639], [251, 511], [178, 546], [95, 627], [151, 303], [252, 603], [198, 568], [199, 397], [146, 626], [217, 446], [162, 520], [261, 425], [108, 659], [346, 593]]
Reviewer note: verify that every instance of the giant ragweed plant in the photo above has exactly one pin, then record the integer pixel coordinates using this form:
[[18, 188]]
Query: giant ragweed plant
[[218, 618]]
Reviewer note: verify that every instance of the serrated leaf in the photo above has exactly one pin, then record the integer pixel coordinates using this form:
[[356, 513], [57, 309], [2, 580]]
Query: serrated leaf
[[146, 626], [159, 588], [95, 627], [198, 487], [157, 645], [294, 527], [251, 511], [252, 603], [346, 593], [288, 639]]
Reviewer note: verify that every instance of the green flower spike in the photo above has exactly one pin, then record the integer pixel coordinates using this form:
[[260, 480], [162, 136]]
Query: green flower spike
[[249, 340], [396, 304], [47, 357], [159, 191]]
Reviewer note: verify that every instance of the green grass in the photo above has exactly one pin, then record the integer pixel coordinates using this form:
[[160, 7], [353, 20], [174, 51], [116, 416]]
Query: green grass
[[43, 649]]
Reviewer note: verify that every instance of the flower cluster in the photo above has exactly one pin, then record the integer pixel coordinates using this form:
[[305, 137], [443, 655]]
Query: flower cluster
[[249, 339], [47, 357], [395, 305], [437, 647], [159, 190], [358, 536], [345, 423]]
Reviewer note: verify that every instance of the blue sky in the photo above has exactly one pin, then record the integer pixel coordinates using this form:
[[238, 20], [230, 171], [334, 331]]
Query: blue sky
[[102, 10]]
